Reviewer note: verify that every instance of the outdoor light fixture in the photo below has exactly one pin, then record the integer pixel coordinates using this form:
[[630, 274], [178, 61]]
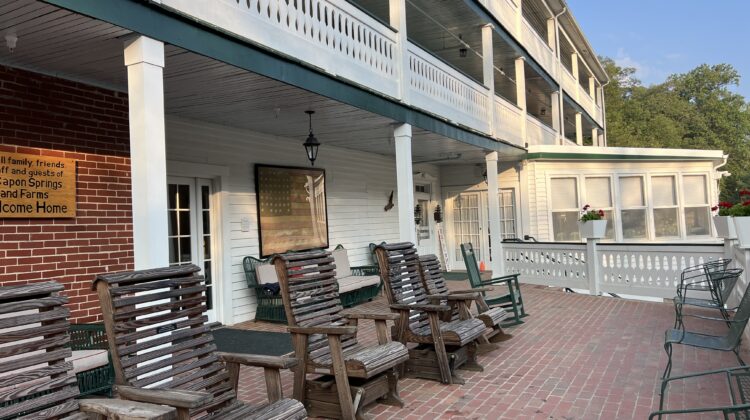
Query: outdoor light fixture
[[311, 144], [462, 51], [418, 215], [11, 40], [438, 215], [484, 175]]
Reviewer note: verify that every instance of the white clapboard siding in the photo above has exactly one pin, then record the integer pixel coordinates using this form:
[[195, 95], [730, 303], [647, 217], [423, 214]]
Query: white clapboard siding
[[357, 186]]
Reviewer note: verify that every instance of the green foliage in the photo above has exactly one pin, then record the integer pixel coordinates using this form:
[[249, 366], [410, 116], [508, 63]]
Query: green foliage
[[694, 110]]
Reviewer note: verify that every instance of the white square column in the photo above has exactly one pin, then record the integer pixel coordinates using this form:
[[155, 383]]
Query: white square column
[[521, 93], [407, 229], [144, 58], [493, 202], [579, 129]]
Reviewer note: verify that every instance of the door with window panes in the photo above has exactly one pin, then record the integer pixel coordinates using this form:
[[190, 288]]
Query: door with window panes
[[191, 229]]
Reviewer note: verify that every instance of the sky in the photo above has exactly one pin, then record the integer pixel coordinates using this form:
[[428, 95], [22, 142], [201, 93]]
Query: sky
[[663, 37]]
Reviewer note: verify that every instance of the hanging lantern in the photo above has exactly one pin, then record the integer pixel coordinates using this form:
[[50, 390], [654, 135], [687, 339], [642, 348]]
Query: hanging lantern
[[417, 215], [311, 144]]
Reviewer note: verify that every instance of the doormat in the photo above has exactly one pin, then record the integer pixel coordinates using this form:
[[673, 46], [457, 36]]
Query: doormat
[[232, 340]]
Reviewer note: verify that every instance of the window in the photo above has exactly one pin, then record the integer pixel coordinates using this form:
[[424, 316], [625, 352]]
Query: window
[[696, 208], [666, 211], [599, 196], [507, 213], [466, 223], [565, 209], [633, 208]]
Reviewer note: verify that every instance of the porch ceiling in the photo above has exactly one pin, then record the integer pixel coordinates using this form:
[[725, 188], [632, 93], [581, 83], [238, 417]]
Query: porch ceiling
[[58, 42]]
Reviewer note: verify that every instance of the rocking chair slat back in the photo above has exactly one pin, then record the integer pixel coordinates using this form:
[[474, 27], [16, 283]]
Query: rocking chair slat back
[[433, 278], [405, 285], [156, 324], [35, 379], [470, 259], [309, 279]]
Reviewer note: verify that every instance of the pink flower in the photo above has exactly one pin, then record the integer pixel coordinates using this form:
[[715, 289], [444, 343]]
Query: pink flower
[[586, 207], [714, 208], [601, 213]]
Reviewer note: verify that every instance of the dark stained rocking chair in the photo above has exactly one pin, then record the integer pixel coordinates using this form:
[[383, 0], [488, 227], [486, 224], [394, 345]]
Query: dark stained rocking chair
[[325, 342], [163, 350], [442, 347], [512, 301], [35, 380], [434, 283]]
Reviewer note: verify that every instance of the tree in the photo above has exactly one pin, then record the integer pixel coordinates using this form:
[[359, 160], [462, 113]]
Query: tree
[[694, 110]]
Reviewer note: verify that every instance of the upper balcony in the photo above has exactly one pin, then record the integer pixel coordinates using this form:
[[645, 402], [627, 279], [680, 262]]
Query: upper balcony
[[437, 70]]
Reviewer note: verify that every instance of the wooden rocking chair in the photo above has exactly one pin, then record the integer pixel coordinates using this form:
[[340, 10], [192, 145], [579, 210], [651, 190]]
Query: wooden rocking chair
[[36, 382], [163, 351], [442, 347], [325, 342], [434, 283]]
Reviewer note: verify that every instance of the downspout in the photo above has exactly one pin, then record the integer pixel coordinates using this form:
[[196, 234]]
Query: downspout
[[604, 114], [718, 175], [560, 103]]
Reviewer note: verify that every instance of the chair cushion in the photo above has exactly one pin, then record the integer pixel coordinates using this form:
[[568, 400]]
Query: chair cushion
[[350, 283], [266, 274], [84, 360], [341, 259]]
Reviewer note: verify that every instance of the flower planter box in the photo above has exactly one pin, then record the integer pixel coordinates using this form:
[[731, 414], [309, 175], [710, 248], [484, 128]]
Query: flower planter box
[[594, 229], [742, 228], [725, 227]]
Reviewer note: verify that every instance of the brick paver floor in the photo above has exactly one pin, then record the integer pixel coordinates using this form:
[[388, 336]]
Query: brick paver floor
[[575, 357]]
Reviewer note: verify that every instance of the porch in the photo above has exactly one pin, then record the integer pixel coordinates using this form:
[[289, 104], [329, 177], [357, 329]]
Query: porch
[[576, 357]]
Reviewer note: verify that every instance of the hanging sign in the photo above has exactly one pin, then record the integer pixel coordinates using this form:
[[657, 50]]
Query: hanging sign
[[34, 186]]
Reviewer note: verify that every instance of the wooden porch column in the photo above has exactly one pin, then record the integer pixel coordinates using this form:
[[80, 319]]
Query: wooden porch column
[[407, 229], [521, 93], [595, 136], [579, 129], [556, 114], [144, 58], [493, 202], [488, 71]]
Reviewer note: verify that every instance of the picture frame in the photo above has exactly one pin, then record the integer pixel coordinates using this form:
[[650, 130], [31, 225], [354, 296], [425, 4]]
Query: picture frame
[[292, 209]]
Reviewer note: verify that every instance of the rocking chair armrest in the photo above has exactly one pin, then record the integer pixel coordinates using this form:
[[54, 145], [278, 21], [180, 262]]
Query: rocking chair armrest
[[473, 290], [258, 360], [116, 408], [326, 329], [171, 397], [711, 318], [450, 297], [426, 308], [499, 280], [375, 316]]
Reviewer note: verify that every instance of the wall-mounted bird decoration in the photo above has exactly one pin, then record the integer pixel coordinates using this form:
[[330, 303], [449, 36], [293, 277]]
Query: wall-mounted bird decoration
[[390, 202]]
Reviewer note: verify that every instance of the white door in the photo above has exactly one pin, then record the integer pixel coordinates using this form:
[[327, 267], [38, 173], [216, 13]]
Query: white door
[[468, 225], [191, 229]]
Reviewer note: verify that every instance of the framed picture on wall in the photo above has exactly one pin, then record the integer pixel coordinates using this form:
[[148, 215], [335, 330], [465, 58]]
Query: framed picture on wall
[[292, 208]]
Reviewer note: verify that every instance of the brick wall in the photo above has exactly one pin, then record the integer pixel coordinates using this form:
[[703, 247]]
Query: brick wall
[[43, 115]]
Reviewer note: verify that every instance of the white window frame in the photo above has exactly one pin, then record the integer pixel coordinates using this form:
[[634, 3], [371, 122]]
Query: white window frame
[[612, 200], [550, 211], [683, 205], [678, 205], [646, 197], [512, 206]]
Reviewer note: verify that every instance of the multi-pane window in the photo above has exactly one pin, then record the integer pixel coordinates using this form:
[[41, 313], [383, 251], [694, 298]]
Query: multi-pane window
[[633, 208], [696, 207], [565, 209], [665, 206], [599, 197], [507, 213], [466, 223]]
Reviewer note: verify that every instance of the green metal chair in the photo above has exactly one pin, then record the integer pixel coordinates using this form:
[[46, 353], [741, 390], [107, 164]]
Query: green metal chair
[[363, 294], [512, 301], [702, 278], [738, 385], [270, 306], [92, 337], [729, 342], [723, 284]]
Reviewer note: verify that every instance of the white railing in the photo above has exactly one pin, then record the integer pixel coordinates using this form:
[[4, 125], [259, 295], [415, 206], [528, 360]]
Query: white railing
[[631, 269], [569, 83], [439, 88], [505, 11], [332, 35], [549, 264], [649, 270], [538, 48], [539, 133], [599, 115], [507, 121]]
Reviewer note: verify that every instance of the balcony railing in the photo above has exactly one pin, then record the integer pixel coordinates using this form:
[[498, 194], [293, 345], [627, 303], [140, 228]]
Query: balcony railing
[[539, 133], [439, 88], [538, 48], [633, 269], [329, 34], [508, 120], [505, 11]]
